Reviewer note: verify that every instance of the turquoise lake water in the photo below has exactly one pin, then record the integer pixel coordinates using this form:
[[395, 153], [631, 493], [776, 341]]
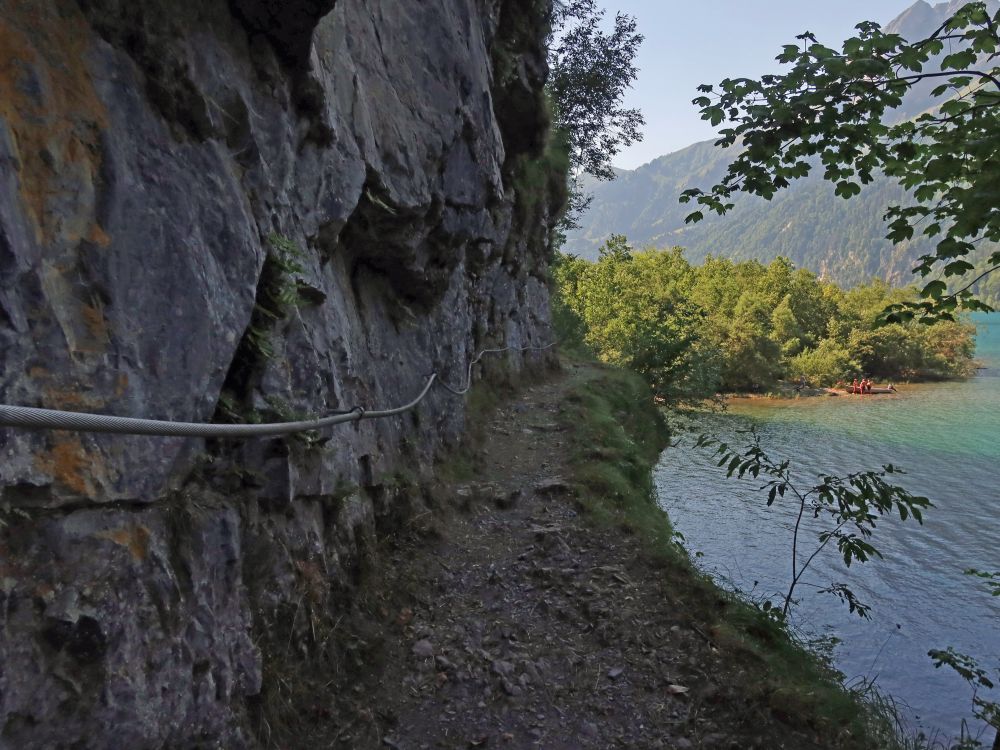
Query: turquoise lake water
[[947, 438]]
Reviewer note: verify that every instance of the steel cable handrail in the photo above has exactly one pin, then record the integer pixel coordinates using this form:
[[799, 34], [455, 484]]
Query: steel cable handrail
[[32, 418], [468, 384]]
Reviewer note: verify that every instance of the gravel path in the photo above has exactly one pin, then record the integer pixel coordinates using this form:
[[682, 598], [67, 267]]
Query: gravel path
[[518, 625]]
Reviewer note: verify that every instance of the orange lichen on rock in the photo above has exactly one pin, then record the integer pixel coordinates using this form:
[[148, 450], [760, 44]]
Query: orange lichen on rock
[[71, 397], [134, 538], [51, 109], [121, 384], [98, 236], [72, 465], [93, 317]]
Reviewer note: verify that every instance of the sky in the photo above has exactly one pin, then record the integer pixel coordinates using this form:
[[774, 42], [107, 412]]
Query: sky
[[689, 42]]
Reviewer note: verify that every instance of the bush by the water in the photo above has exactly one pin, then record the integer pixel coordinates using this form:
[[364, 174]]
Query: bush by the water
[[735, 326]]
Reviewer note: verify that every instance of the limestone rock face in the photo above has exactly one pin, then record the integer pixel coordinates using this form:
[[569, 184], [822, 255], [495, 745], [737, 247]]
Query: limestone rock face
[[234, 211]]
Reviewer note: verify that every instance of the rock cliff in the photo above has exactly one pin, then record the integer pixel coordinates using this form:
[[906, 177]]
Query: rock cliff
[[239, 211]]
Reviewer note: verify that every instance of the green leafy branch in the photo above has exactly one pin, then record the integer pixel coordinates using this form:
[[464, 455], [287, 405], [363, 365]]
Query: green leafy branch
[[832, 106], [969, 670], [852, 504], [992, 579]]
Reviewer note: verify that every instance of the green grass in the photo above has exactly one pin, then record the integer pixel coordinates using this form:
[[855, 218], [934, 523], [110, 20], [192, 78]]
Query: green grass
[[617, 436]]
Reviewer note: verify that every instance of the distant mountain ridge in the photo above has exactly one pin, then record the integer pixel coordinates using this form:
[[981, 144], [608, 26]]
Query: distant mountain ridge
[[843, 240]]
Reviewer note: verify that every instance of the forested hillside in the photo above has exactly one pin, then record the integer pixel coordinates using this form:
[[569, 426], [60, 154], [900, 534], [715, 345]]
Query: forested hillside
[[843, 241]]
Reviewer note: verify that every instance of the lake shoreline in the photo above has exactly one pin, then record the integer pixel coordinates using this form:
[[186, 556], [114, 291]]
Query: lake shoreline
[[790, 391]]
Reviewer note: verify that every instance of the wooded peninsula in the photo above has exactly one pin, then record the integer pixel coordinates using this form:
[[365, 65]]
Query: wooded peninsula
[[733, 326]]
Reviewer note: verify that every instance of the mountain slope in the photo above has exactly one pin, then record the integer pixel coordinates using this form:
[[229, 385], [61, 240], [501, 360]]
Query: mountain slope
[[844, 240]]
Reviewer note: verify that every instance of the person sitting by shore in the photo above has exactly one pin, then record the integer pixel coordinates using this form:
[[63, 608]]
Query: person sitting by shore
[[854, 386]]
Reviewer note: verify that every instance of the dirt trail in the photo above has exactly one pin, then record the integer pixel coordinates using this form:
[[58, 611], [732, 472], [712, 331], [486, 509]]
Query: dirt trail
[[519, 625]]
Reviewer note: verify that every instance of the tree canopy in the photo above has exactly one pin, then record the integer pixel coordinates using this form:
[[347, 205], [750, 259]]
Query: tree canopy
[[726, 325], [833, 105], [590, 70]]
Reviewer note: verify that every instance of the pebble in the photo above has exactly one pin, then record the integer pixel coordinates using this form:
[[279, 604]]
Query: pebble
[[503, 668], [511, 689], [551, 486], [423, 649], [508, 501], [533, 672]]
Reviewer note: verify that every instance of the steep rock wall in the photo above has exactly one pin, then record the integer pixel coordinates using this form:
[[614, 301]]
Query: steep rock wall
[[242, 210]]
